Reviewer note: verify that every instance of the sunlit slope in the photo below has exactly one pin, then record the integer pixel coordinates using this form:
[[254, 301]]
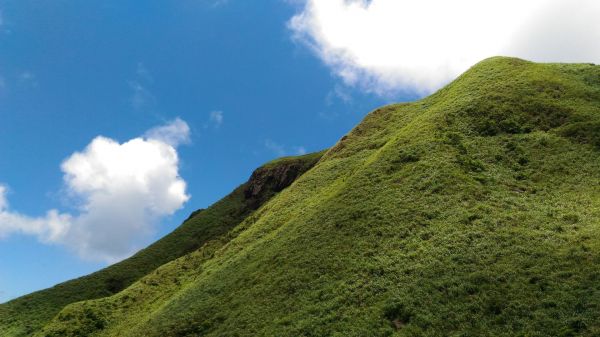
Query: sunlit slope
[[473, 212], [23, 316]]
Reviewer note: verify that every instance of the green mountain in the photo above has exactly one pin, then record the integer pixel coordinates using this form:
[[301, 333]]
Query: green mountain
[[23, 316], [472, 212]]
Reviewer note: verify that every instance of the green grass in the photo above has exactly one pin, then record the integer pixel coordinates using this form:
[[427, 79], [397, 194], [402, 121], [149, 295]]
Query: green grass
[[472, 212], [23, 316]]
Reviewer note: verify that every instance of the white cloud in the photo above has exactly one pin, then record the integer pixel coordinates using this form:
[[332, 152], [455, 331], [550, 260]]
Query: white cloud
[[566, 31], [175, 133], [122, 189], [47, 228], [385, 46], [216, 118]]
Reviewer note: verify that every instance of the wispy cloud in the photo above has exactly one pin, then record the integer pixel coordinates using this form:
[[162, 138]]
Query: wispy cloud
[[24, 79], [4, 25], [141, 96], [338, 93], [281, 150], [174, 133], [276, 148], [216, 3], [123, 189], [299, 150], [3, 201], [143, 74], [27, 78], [216, 118]]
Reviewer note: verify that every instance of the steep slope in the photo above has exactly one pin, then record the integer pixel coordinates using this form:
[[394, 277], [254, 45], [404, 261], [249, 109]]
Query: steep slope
[[473, 212], [24, 315]]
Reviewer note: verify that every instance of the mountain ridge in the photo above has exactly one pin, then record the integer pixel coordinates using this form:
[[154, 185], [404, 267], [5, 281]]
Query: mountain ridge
[[474, 211], [200, 227]]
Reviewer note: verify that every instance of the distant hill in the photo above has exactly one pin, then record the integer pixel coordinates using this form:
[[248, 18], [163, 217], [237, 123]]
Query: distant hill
[[472, 212]]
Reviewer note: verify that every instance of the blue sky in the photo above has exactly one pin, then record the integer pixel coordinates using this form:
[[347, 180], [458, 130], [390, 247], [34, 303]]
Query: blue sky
[[73, 70], [201, 92]]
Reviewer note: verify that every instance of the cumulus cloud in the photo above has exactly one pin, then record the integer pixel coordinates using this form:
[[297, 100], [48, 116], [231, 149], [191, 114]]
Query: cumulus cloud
[[385, 46], [122, 190]]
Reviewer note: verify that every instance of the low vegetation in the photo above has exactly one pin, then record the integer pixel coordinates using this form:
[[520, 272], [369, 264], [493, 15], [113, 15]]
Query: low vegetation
[[472, 212], [27, 314]]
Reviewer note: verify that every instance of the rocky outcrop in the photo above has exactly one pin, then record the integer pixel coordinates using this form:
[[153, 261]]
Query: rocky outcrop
[[274, 177]]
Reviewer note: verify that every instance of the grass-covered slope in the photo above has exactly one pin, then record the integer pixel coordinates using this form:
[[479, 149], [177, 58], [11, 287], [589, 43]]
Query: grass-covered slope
[[23, 316], [473, 212]]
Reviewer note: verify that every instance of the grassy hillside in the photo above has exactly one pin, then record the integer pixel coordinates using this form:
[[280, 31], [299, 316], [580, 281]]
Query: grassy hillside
[[22, 316], [473, 212]]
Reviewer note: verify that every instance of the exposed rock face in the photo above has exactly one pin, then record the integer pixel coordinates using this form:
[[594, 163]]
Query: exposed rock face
[[270, 179]]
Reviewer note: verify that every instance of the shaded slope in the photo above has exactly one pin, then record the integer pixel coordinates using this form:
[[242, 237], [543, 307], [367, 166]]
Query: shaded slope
[[475, 211], [27, 314]]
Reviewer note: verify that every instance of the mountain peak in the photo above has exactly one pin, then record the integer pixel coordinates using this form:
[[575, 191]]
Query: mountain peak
[[469, 212]]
